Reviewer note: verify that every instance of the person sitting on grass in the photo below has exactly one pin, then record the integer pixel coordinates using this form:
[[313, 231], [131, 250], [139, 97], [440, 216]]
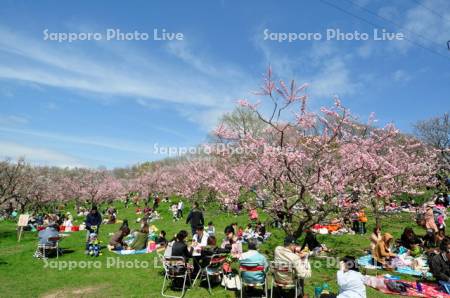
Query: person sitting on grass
[[409, 239], [313, 244], [382, 253], [375, 237], [440, 263], [231, 228], [162, 241], [140, 239], [260, 230], [430, 240], [211, 230], [251, 258], [350, 280], [116, 242]]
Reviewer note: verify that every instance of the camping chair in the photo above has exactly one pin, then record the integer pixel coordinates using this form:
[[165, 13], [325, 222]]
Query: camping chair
[[214, 268], [50, 247], [175, 268], [285, 269], [252, 267]]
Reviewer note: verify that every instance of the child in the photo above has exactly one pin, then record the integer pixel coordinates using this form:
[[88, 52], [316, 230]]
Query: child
[[240, 232], [94, 245], [253, 215], [174, 209], [211, 230]]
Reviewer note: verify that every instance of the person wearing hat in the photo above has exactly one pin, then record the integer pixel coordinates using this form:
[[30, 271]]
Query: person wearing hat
[[286, 254], [382, 253], [430, 223]]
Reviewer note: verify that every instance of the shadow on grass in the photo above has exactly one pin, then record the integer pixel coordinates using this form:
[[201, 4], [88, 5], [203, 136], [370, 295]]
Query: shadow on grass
[[6, 234], [67, 251]]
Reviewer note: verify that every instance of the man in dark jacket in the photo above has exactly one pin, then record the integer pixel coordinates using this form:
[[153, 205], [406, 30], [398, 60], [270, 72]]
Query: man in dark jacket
[[195, 218], [93, 221], [440, 263]]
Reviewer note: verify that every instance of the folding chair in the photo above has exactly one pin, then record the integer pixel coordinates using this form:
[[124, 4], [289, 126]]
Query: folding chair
[[175, 268], [285, 269], [214, 268], [252, 267], [50, 247]]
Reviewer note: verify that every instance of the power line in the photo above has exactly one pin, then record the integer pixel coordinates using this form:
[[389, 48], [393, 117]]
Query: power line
[[377, 26], [392, 22], [431, 10]]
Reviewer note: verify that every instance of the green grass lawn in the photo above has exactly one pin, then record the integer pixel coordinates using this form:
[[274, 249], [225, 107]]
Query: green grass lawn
[[24, 276]]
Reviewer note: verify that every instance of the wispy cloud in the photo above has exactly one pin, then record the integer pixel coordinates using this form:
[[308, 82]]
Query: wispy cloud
[[322, 65], [119, 145], [401, 75], [192, 80], [38, 155], [12, 120]]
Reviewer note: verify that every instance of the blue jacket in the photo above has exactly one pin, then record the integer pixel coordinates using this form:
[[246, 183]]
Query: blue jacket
[[252, 258]]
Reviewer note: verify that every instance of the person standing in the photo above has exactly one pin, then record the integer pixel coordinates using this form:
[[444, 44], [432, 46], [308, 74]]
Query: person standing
[[93, 221], [430, 223], [362, 218], [180, 209], [156, 202], [195, 218]]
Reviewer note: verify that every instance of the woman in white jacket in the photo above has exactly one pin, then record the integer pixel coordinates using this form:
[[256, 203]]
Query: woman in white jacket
[[350, 280]]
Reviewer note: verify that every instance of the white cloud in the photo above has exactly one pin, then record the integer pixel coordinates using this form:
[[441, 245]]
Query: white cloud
[[401, 75], [124, 72], [425, 25], [120, 145], [12, 120], [37, 155], [322, 66], [334, 78]]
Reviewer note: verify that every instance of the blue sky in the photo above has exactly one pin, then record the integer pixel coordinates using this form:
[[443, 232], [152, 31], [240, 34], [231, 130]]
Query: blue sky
[[110, 103]]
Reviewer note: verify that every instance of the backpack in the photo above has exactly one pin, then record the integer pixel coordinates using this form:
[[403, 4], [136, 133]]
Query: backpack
[[396, 287]]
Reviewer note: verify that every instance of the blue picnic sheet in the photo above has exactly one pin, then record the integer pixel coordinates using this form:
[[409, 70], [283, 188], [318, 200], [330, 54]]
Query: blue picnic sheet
[[367, 261], [130, 252]]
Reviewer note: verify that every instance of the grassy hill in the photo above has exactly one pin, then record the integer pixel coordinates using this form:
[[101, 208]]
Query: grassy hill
[[21, 275]]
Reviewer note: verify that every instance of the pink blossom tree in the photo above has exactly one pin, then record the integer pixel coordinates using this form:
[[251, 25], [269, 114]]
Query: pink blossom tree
[[304, 161]]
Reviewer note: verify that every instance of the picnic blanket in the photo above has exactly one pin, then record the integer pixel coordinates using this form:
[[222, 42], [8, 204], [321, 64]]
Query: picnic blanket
[[131, 252], [428, 289], [366, 262]]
